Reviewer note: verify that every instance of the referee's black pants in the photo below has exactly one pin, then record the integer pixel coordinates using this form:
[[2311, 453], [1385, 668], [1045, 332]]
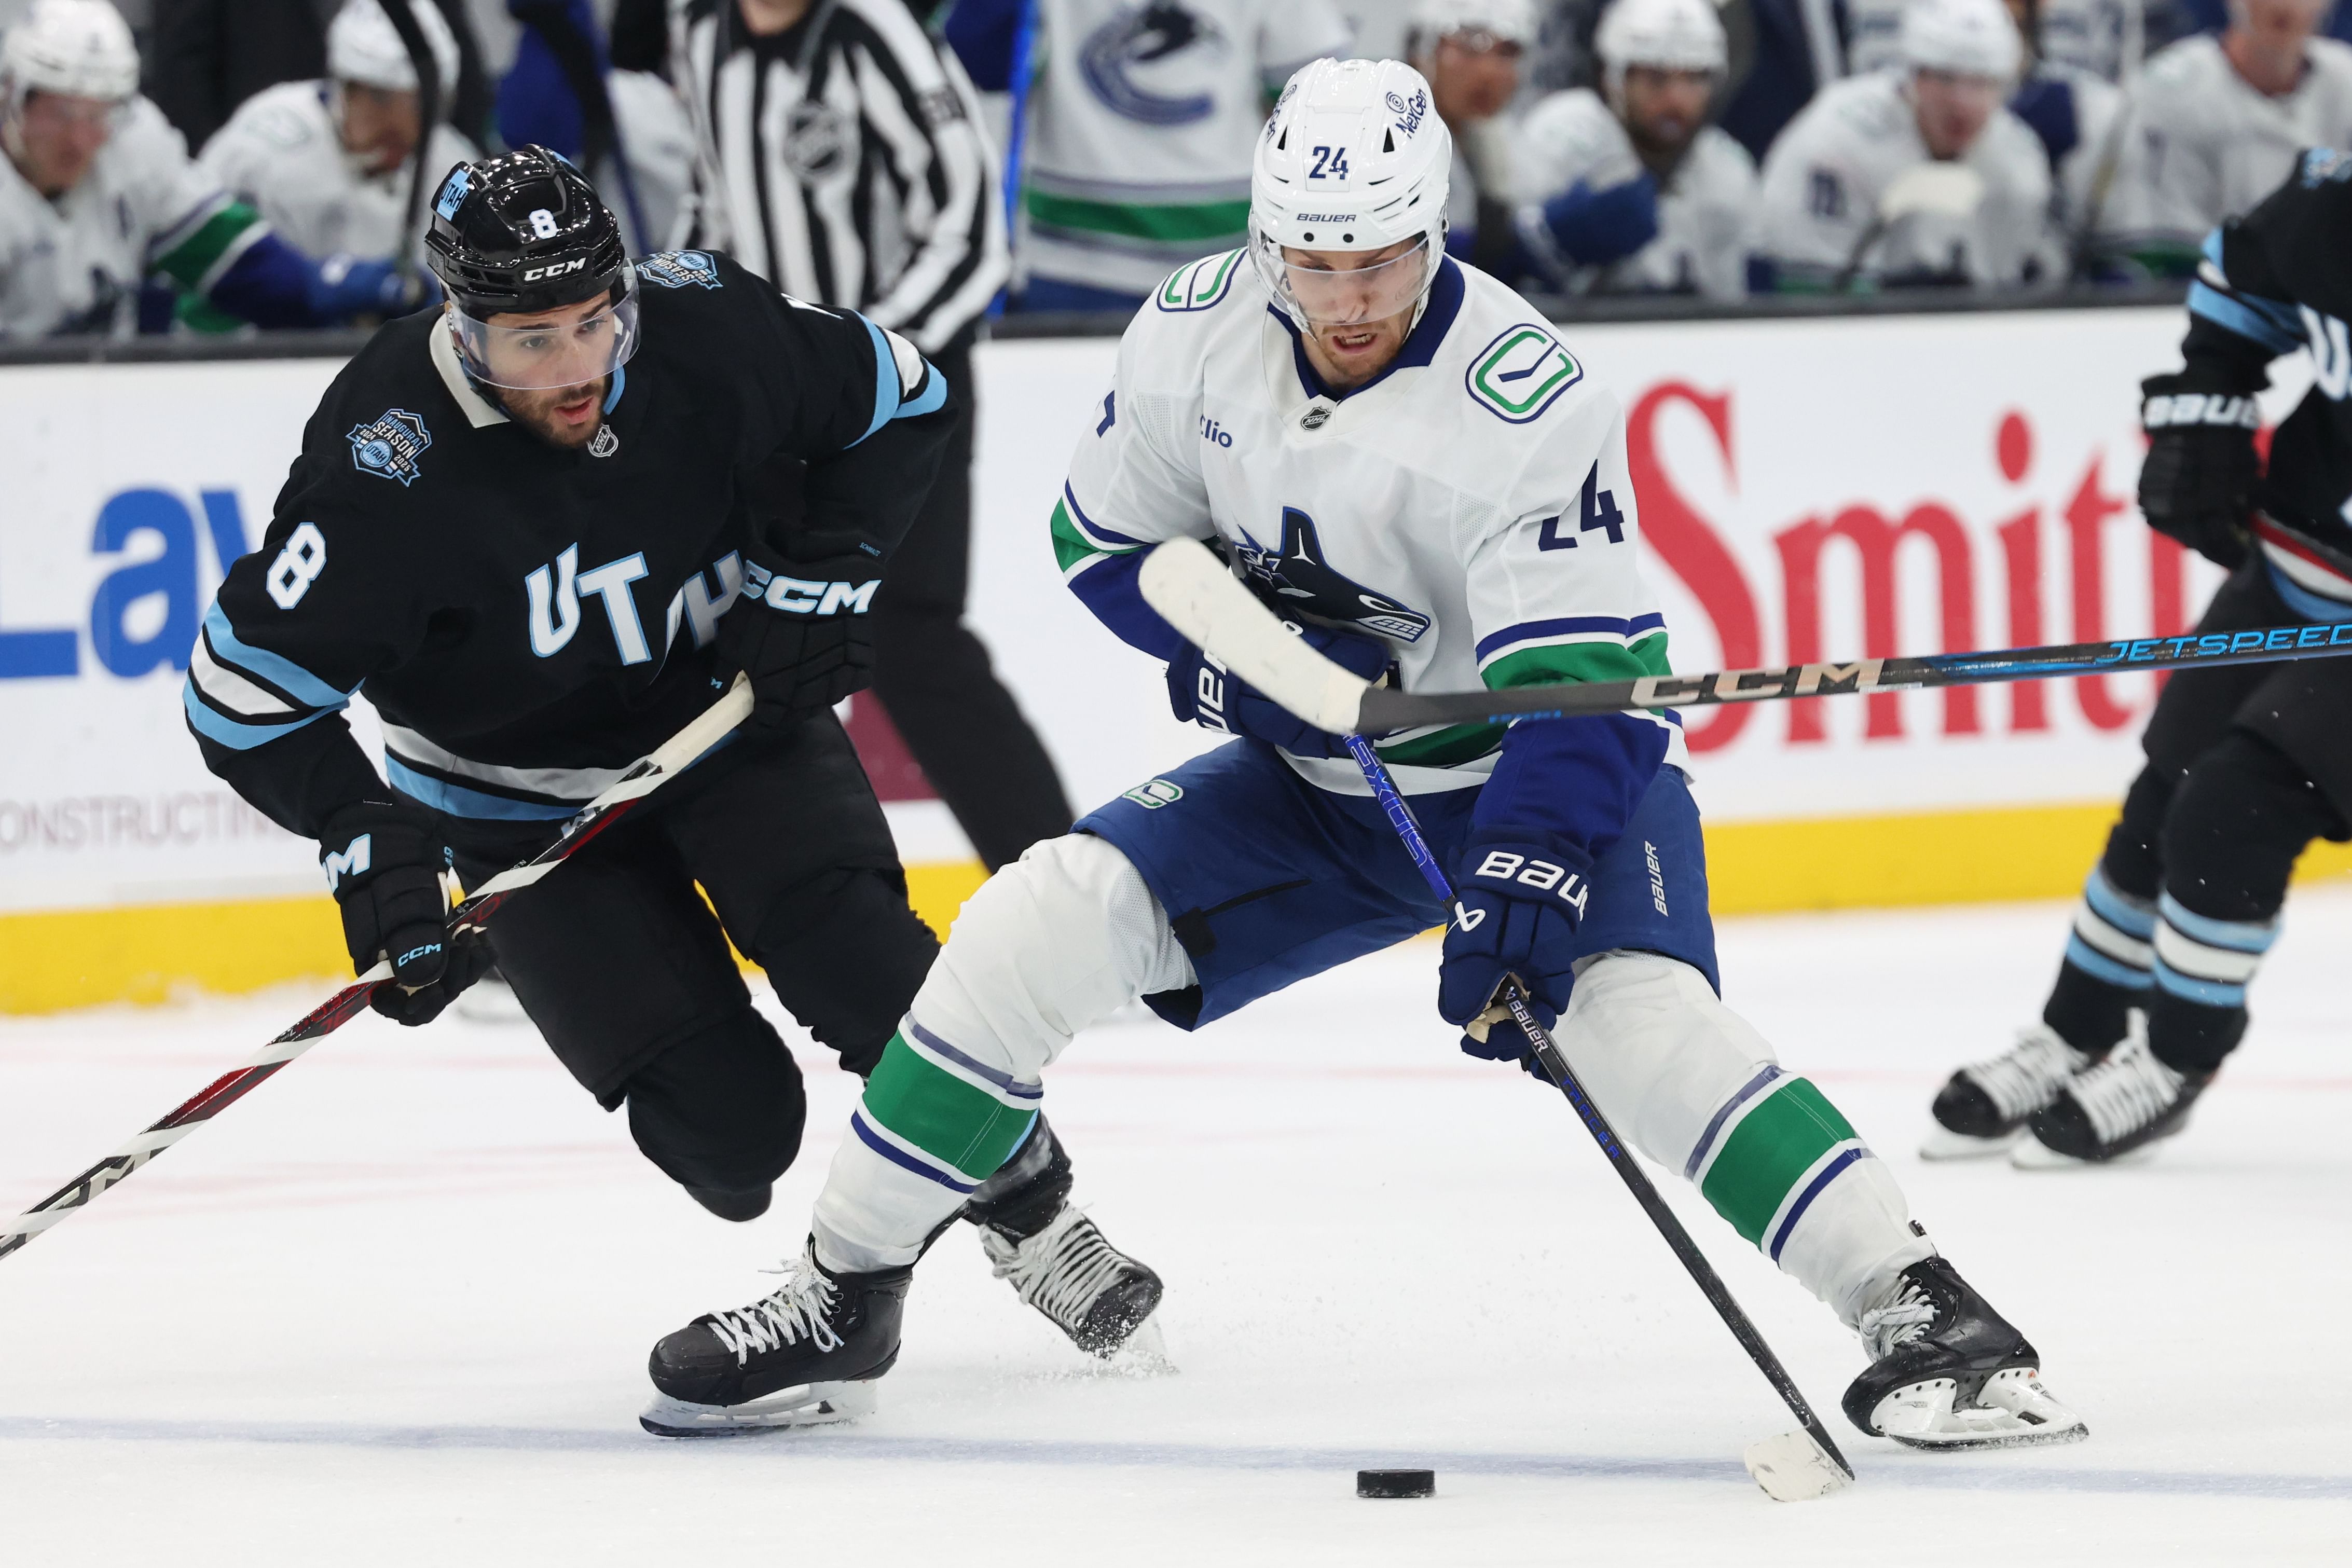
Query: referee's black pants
[[933, 675], [620, 956]]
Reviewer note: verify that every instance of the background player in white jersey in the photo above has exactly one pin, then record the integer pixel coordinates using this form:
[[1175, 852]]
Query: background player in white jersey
[[1916, 174], [2101, 38], [2083, 121], [1141, 121], [96, 192], [2220, 122], [1470, 51], [328, 163], [1386, 448], [1593, 166]]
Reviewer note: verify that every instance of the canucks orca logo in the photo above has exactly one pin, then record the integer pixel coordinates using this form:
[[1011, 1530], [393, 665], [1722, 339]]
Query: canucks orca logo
[[680, 269], [1132, 44], [389, 445], [1299, 579]]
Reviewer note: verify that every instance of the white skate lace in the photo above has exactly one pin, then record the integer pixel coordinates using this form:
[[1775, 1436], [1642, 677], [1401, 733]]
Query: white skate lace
[[799, 1309], [1061, 1270], [2028, 1075], [2126, 1091], [1911, 1313]]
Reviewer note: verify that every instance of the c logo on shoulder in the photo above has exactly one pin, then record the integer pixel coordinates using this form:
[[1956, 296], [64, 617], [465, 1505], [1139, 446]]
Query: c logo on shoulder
[[1154, 793]]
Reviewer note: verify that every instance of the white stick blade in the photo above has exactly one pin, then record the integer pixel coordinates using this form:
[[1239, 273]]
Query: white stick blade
[[1193, 593], [1791, 1468]]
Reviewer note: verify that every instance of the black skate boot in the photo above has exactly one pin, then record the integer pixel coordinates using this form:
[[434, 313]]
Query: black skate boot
[[737, 1206], [1983, 1109], [805, 1355], [1947, 1371], [2124, 1106], [1058, 1259]]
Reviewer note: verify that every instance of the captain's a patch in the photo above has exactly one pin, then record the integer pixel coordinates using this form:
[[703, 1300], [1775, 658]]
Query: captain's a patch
[[1521, 374], [389, 445], [680, 269]]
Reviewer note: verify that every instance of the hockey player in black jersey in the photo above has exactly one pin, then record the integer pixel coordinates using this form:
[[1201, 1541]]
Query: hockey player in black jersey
[[2246, 766], [538, 532]]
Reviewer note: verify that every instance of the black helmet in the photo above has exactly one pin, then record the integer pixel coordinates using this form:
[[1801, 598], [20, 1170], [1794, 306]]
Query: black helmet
[[525, 232]]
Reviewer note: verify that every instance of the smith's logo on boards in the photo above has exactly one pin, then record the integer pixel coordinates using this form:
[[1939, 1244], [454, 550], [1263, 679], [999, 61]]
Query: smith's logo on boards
[[1154, 793], [681, 270], [389, 445]]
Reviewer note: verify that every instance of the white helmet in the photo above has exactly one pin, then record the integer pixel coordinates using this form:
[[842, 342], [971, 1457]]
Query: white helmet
[[1354, 158], [77, 48], [1967, 38], [1668, 35], [1510, 21], [362, 46]]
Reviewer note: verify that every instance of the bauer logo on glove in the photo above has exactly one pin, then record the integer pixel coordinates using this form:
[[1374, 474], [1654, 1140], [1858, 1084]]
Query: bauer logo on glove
[[1508, 872]]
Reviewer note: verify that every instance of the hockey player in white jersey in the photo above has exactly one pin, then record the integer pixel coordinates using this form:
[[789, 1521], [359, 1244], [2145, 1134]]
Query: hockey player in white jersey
[[1470, 52], [1916, 174], [1642, 144], [2220, 122], [328, 163], [97, 192], [1426, 483]]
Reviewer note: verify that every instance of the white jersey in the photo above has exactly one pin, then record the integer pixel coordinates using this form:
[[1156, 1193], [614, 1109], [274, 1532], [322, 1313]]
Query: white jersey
[[2208, 146], [1823, 177], [657, 139], [2103, 37], [75, 264], [1707, 208], [282, 153], [1471, 507], [1142, 124], [2088, 172]]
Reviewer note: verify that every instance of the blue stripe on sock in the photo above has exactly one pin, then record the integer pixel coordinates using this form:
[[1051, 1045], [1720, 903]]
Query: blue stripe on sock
[[899, 1157], [2132, 919], [1003, 1080], [2237, 936], [2210, 992], [2099, 966], [1813, 1190], [1748, 1092]]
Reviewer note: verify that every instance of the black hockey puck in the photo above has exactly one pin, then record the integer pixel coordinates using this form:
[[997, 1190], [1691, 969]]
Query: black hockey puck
[[1396, 1483]]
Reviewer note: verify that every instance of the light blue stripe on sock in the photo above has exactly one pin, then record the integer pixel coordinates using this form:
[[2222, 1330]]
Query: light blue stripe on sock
[[2238, 936], [2210, 992], [2134, 919], [2099, 966]]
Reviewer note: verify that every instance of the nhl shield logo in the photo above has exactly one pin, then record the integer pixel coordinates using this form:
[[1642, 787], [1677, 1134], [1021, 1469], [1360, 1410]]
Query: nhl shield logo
[[389, 445], [606, 443]]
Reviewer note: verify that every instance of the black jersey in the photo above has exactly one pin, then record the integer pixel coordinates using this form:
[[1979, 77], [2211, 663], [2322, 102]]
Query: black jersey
[[527, 620], [2272, 282]]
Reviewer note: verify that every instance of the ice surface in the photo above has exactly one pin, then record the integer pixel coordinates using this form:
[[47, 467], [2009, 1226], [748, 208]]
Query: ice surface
[[394, 1308]]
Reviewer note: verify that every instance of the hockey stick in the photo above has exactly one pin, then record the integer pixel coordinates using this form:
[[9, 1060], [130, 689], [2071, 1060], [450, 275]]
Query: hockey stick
[[428, 111], [666, 762], [1192, 590], [1016, 135], [1792, 1467]]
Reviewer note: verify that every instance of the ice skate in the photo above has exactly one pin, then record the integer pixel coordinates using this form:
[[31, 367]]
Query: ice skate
[[1947, 1372], [2120, 1110], [1982, 1109], [1086, 1287], [805, 1355]]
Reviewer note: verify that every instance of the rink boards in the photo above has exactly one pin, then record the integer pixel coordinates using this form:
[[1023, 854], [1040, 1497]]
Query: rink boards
[[1806, 489]]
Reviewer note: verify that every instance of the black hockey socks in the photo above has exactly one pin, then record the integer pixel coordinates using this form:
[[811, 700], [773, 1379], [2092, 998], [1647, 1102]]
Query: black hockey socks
[[2108, 955]]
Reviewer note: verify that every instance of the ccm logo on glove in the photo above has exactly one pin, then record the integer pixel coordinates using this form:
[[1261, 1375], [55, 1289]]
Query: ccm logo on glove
[[1507, 872], [807, 595]]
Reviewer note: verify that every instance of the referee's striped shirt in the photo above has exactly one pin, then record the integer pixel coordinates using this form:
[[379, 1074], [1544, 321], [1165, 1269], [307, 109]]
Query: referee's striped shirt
[[844, 161]]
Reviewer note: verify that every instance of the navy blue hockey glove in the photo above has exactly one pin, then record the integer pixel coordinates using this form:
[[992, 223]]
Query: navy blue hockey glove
[[2197, 483], [1521, 893], [391, 876], [803, 632], [1202, 691]]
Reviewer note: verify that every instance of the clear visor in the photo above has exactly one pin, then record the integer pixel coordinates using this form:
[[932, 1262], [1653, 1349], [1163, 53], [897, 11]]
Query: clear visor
[[1323, 288], [537, 353]]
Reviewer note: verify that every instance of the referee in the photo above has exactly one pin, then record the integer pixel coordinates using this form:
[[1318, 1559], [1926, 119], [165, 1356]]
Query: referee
[[840, 156]]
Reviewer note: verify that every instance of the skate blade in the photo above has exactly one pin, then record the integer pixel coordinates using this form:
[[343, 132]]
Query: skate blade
[[1792, 1468], [1943, 1143], [2012, 1410], [804, 1404], [1143, 1353]]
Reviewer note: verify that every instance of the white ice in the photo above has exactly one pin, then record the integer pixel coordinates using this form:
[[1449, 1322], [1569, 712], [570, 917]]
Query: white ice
[[394, 1308]]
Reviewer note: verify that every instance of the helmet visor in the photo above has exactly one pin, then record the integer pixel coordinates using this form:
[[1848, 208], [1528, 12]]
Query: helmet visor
[[1329, 289], [537, 351]]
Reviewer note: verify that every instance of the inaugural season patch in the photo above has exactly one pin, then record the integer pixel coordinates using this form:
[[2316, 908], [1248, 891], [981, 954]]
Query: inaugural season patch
[[389, 445], [680, 269], [1521, 374]]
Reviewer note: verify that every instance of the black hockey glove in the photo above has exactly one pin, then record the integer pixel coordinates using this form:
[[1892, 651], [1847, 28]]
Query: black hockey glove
[[1202, 691], [391, 873], [802, 631], [2196, 484]]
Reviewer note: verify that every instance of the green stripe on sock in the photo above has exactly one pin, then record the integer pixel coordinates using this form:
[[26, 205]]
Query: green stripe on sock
[[1193, 221], [1595, 661], [188, 261], [941, 1114], [1769, 1153]]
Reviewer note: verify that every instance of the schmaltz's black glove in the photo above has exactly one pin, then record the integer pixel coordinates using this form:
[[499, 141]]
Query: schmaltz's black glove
[[391, 875], [2198, 483], [802, 631]]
